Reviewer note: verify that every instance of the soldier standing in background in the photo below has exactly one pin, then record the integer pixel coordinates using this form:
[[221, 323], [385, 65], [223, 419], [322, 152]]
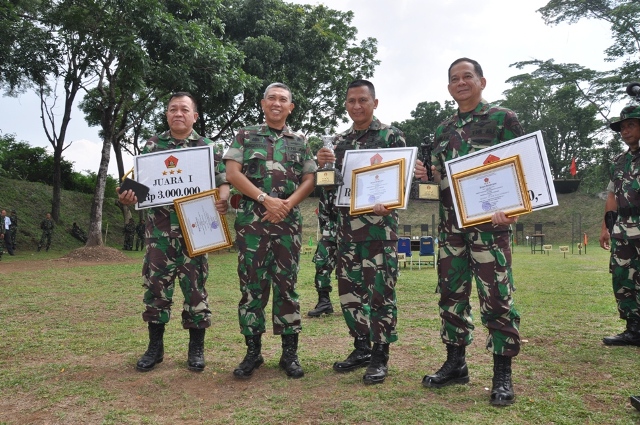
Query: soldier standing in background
[[3, 235], [325, 256], [47, 225], [367, 265], [6, 226], [274, 169], [129, 233], [140, 235], [13, 229]]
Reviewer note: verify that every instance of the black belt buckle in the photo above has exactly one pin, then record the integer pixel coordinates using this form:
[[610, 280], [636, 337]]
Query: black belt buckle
[[278, 195]]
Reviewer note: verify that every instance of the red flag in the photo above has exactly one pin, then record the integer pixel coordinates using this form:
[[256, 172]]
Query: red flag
[[573, 167]]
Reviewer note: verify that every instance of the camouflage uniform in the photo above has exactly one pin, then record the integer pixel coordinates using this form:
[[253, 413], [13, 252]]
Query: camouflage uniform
[[78, 233], [367, 266], [47, 225], [13, 229], [129, 232], [269, 253], [167, 258], [140, 235], [482, 251], [624, 264], [325, 256]]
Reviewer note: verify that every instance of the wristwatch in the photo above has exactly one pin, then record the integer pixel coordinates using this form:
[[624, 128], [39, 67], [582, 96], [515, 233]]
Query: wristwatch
[[261, 197]]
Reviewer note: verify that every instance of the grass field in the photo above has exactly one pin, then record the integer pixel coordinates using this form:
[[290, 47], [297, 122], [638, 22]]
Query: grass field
[[71, 335]]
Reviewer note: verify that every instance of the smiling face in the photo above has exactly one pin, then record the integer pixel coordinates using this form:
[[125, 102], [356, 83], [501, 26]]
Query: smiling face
[[360, 106], [465, 86], [277, 106], [181, 115]]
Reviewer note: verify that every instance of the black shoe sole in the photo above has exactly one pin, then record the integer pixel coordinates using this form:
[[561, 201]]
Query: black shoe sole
[[351, 369], [320, 314], [502, 402], [635, 401], [457, 381]]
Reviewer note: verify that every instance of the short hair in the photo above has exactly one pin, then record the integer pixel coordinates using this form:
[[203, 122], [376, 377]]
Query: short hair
[[476, 66], [363, 83], [280, 86], [184, 94]]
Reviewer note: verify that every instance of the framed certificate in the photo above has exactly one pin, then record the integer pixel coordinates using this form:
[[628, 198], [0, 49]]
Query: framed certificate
[[484, 190], [378, 184], [174, 173], [358, 158], [203, 228]]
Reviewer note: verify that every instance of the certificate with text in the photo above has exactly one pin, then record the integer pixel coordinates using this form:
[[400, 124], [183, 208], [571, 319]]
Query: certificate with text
[[378, 184], [484, 190], [535, 167], [358, 158], [203, 228], [174, 174]]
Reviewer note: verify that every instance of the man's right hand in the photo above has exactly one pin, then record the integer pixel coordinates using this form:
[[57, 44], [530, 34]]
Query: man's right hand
[[128, 197]]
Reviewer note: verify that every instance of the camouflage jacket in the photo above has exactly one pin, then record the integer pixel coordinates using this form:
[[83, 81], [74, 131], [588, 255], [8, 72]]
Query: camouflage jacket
[[461, 134], [140, 227], [367, 227], [129, 228], [14, 222], [163, 221], [47, 225], [625, 178], [274, 164]]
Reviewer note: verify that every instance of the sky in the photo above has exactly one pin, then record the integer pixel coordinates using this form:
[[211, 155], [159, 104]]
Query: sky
[[417, 41]]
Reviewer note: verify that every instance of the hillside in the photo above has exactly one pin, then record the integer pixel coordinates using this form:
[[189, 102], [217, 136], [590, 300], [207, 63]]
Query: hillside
[[577, 211]]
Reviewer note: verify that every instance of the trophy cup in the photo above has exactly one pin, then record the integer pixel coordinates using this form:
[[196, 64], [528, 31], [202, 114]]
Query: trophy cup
[[427, 191], [328, 176]]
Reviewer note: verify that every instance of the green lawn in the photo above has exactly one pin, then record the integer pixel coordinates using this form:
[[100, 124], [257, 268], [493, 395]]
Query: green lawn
[[70, 337]]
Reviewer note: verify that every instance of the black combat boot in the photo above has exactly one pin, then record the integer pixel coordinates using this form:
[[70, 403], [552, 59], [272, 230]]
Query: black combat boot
[[502, 391], [631, 335], [324, 305], [289, 359], [635, 401], [253, 359], [453, 371], [377, 370], [195, 358], [359, 357], [155, 351]]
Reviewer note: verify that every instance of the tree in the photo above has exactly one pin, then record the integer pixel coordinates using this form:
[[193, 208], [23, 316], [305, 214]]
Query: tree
[[424, 121]]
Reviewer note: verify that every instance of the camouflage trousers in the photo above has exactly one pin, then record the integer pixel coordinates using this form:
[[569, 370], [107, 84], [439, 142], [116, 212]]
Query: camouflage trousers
[[45, 240], [139, 242], [128, 242], [487, 257], [367, 274], [166, 260], [325, 260], [624, 266], [266, 262]]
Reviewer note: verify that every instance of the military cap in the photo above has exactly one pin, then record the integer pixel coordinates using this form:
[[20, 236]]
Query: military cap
[[628, 112]]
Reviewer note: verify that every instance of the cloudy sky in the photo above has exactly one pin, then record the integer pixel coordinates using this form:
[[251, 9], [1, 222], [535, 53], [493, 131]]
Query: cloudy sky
[[417, 41]]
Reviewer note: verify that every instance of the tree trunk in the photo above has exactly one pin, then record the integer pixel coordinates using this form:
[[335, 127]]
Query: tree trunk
[[95, 225]]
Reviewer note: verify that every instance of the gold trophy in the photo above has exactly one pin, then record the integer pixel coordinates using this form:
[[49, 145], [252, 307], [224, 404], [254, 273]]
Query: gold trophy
[[428, 191], [328, 176]]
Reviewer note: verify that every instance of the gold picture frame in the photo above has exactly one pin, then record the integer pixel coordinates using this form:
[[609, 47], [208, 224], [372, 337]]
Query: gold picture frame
[[381, 183], [204, 229], [484, 190]]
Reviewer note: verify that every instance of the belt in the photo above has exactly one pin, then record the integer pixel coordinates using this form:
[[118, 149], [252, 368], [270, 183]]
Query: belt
[[272, 194], [628, 211]]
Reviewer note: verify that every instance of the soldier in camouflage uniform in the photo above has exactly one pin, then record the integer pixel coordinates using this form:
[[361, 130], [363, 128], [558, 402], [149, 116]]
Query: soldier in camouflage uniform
[[624, 240], [13, 229], [47, 225], [273, 168], [167, 258], [481, 251], [140, 235], [129, 233], [367, 266], [325, 256]]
